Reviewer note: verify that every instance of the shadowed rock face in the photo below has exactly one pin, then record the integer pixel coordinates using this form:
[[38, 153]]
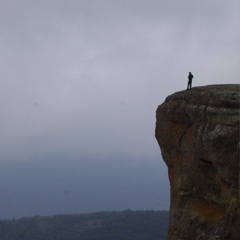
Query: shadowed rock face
[[198, 133]]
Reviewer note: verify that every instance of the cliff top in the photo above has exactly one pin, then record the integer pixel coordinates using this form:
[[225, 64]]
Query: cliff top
[[224, 95]]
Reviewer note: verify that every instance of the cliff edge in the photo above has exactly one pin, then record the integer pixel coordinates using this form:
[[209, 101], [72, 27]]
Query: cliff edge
[[198, 134]]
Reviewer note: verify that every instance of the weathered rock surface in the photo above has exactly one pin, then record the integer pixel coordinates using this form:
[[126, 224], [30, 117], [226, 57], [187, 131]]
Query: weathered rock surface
[[198, 133]]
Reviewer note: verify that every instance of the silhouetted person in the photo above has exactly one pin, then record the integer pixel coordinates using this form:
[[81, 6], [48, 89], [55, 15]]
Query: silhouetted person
[[190, 77]]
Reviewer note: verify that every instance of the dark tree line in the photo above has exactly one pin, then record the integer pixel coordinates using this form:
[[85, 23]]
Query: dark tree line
[[122, 225]]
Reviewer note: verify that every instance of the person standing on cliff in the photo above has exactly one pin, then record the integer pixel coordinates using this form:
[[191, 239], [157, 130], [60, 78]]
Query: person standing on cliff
[[190, 77]]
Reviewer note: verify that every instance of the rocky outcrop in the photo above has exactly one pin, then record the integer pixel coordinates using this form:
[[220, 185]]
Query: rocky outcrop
[[198, 134]]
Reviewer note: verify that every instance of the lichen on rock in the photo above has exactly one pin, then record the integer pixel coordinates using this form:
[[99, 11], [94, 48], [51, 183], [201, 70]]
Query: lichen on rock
[[198, 134]]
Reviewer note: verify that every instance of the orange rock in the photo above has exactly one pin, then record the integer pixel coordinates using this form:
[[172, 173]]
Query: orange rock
[[198, 134]]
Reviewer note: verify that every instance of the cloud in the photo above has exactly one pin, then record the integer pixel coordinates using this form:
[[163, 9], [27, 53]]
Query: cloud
[[56, 186], [80, 83], [91, 73]]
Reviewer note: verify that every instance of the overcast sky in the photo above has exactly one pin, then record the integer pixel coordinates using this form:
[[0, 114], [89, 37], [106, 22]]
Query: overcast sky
[[84, 77]]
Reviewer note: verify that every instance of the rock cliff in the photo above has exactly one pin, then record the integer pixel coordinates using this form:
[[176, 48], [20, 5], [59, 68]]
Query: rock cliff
[[198, 134]]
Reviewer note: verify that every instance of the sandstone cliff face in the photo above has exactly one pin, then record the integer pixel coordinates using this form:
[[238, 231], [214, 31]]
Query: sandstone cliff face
[[198, 133]]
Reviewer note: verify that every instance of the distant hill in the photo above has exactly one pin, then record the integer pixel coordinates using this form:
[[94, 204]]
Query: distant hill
[[122, 225]]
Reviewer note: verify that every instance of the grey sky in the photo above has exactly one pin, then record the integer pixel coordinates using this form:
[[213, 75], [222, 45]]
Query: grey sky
[[85, 77]]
